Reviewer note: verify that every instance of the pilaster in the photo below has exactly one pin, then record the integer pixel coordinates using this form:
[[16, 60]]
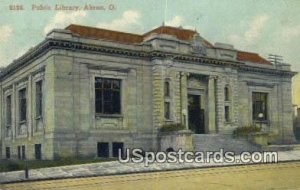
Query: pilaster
[[211, 105]]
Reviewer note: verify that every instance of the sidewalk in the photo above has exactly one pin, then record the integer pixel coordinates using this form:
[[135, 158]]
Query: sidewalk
[[114, 168]]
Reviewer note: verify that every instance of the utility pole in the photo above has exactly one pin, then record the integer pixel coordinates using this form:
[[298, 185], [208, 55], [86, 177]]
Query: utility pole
[[275, 59]]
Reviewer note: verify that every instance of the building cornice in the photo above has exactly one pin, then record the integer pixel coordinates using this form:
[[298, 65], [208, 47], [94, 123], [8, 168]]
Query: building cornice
[[51, 44]]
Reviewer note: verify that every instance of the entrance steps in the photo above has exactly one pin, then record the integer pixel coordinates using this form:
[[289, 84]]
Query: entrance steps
[[215, 142]]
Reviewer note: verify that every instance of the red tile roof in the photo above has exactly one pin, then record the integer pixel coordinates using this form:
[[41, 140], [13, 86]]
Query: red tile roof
[[251, 57], [123, 37], [98, 33], [128, 38], [180, 33]]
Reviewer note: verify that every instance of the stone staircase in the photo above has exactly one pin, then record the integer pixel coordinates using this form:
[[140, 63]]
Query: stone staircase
[[214, 142]]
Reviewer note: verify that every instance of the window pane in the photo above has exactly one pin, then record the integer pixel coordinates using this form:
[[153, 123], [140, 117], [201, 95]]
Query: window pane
[[107, 95], [108, 107], [107, 83], [98, 101], [116, 84], [98, 83], [116, 101]]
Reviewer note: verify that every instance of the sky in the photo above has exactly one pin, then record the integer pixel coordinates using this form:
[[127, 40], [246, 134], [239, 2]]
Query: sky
[[262, 26]]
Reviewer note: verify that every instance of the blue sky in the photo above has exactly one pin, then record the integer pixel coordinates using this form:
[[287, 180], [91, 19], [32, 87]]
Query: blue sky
[[262, 26]]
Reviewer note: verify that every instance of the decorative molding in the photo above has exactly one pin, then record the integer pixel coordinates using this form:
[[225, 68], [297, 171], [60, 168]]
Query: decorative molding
[[118, 69], [268, 85], [40, 71], [51, 44]]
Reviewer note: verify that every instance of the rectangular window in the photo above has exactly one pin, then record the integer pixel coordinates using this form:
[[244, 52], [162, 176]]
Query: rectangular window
[[38, 151], [167, 89], [39, 98], [22, 105], [260, 105], [107, 96], [7, 152], [116, 147], [8, 110], [226, 93], [227, 114], [103, 149], [19, 152], [167, 110], [23, 152]]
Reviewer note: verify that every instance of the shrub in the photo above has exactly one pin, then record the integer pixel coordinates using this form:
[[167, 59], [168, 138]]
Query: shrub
[[246, 130], [14, 166], [172, 127]]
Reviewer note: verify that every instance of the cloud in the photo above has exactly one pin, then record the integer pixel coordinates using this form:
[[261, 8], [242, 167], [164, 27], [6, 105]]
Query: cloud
[[289, 33], [178, 21], [129, 21], [63, 18], [252, 34], [175, 21], [234, 39], [255, 28], [5, 33]]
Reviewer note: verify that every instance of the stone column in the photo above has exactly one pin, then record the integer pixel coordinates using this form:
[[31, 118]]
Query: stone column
[[211, 105], [158, 93]]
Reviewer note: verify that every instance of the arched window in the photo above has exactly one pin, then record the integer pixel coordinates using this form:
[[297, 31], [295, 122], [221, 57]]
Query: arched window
[[167, 88]]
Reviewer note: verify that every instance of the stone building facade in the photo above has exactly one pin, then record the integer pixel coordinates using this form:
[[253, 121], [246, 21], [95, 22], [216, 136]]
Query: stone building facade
[[87, 92]]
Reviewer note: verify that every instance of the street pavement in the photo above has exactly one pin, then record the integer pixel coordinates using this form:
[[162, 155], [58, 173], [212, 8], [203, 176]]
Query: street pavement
[[262, 176], [117, 168]]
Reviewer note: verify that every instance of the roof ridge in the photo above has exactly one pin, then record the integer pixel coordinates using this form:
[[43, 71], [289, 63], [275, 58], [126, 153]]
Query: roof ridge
[[108, 30]]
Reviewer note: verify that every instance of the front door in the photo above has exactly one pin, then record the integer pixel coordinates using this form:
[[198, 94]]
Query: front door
[[196, 114]]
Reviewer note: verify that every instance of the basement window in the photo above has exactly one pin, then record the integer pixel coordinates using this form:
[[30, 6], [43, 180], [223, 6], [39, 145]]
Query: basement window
[[116, 147], [38, 151], [103, 149]]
